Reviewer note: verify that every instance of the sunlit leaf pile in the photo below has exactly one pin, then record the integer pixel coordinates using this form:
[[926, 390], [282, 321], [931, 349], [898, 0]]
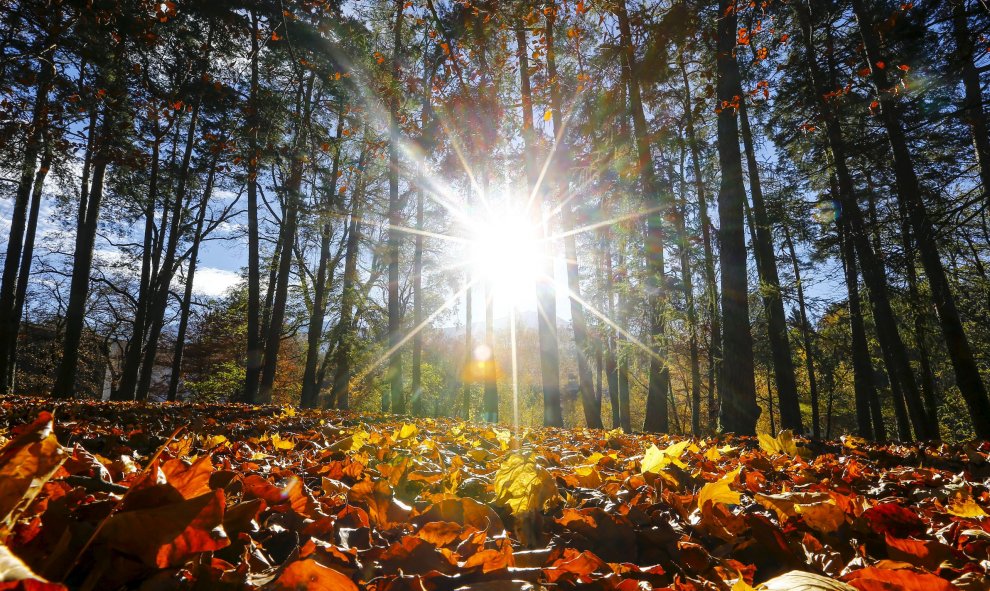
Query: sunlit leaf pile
[[124, 496]]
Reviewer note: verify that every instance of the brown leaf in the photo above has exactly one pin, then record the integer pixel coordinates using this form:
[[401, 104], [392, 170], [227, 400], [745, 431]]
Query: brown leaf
[[26, 463], [309, 575]]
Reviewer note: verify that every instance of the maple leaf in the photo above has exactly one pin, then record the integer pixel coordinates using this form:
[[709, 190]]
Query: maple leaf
[[26, 462], [719, 491]]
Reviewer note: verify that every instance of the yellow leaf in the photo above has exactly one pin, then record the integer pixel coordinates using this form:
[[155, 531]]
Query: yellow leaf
[[719, 491], [284, 444], [961, 504], [655, 459], [406, 431], [354, 442], [548, 115], [781, 444], [523, 486], [588, 476]]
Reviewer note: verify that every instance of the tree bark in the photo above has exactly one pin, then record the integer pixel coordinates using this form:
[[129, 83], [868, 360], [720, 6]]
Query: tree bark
[[253, 353], [766, 264], [657, 198], [711, 283], [909, 192], [739, 410], [311, 383], [546, 301], [396, 396], [972, 112], [865, 390], [807, 334], [590, 403]]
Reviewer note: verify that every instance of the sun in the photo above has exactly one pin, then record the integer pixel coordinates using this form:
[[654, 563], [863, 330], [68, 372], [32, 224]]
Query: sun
[[506, 253]]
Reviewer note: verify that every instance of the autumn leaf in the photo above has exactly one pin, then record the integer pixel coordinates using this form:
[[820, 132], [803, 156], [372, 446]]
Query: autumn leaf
[[522, 485], [719, 491], [655, 459], [961, 504], [783, 443], [13, 570], [310, 575], [882, 579], [26, 463]]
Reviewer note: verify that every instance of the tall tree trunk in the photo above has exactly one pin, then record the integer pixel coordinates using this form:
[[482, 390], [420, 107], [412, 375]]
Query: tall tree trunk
[[972, 112], [290, 222], [909, 192], [684, 248], [253, 354], [180, 335], [807, 335], [340, 392], [24, 273], [396, 396], [19, 220], [158, 304], [766, 264], [920, 330], [311, 383], [135, 347], [657, 198], [611, 362], [711, 283], [739, 410], [865, 390], [546, 300], [590, 403], [90, 200], [891, 345]]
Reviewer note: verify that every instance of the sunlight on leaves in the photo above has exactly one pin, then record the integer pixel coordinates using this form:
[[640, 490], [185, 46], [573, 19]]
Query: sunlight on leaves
[[522, 485]]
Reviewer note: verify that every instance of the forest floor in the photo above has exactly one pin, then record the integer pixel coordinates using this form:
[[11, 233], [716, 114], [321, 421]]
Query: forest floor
[[194, 496]]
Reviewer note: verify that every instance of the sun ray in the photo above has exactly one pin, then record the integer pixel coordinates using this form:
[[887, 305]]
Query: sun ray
[[450, 301], [608, 222]]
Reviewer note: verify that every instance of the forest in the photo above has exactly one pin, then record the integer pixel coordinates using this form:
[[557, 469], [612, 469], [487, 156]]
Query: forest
[[673, 216], [494, 295]]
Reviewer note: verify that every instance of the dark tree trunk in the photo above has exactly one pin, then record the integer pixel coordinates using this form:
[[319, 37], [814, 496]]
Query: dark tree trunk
[[891, 345], [590, 403], [711, 283], [340, 393], [909, 193], [90, 200], [972, 111], [24, 273], [9, 320], [684, 248], [180, 336], [396, 396], [611, 362], [158, 304], [546, 300], [807, 334], [311, 382], [656, 197], [253, 354], [290, 222], [865, 390], [135, 347], [739, 410], [766, 264]]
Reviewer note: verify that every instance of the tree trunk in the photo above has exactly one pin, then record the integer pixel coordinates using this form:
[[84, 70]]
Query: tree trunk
[[656, 197], [340, 393], [590, 403], [808, 338], [158, 304], [19, 220], [546, 300], [909, 192], [311, 383], [396, 397], [766, 264], [711, 283], [865, 390], [290, 221], [739, 410], [971, 112], [891, 345], [24, 273], [611, 363], [90, 199], [253, 353], [180, 338], [135, 347]]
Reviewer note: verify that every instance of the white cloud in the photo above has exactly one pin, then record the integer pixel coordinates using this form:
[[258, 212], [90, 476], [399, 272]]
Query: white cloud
[[213, 282]]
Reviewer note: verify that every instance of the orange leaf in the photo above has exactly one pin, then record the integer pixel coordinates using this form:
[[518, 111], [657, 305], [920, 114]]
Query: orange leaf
[[309, 575]]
